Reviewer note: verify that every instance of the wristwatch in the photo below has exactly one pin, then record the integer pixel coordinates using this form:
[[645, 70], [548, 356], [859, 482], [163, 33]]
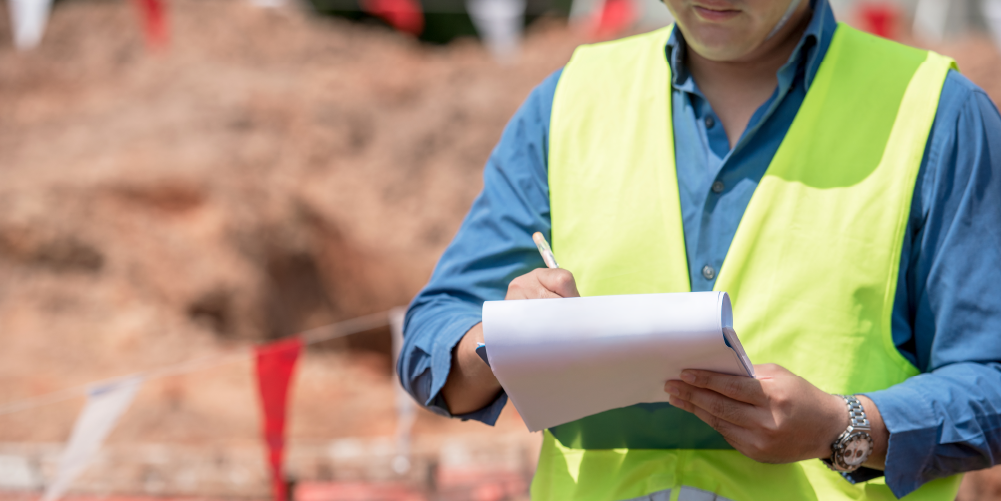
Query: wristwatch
[[853, 447]]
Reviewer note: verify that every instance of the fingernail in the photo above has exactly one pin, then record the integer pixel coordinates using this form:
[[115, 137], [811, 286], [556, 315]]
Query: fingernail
[[671, 390], [688, 377]]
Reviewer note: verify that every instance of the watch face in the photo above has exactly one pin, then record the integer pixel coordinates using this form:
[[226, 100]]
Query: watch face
[[857, 449]]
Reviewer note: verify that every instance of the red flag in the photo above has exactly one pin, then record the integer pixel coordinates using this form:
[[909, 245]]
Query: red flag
[[154, 19], [615, 17], [880, 18], [275, 364], [404, 15]]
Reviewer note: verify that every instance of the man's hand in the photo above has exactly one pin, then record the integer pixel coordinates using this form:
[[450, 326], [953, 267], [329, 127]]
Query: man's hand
[[471, 385], [775, 417], [543, 283]]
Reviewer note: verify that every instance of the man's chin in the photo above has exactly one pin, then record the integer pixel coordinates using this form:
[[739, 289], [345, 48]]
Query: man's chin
[[723, 51], [721, 43]]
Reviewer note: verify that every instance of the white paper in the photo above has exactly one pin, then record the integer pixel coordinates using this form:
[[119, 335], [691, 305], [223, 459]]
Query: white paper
[[105, 404], [564, 359]]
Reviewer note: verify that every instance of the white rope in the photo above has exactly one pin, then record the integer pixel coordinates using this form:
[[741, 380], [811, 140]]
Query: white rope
[[311, 336]]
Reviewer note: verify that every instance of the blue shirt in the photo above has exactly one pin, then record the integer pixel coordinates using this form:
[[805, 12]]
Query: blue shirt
[[947, 310]]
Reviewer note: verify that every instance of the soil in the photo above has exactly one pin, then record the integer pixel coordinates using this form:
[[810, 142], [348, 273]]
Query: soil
[[268, 172]]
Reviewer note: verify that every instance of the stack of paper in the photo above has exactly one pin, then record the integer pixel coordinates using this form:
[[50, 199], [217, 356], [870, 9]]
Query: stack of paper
[[563, 359]]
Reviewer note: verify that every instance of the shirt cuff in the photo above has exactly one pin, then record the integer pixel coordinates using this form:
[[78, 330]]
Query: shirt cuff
[[441, 365], [909, 418], [862, 474], [487, 415], [441, 354]]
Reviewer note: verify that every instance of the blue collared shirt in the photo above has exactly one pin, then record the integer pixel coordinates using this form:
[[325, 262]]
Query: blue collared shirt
[[947, 311]]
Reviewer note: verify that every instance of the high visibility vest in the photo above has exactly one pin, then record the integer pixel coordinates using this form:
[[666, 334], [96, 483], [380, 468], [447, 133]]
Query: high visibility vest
[[812, 269]]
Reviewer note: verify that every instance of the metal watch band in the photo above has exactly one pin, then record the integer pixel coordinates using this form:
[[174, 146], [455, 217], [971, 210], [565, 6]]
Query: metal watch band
[[856, 413]]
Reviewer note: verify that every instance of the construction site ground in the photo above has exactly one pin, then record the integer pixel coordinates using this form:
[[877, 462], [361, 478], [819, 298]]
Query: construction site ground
[[267, 172]]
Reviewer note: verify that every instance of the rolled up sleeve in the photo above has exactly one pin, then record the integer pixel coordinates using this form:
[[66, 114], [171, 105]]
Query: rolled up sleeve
[[493, 246], [948, 419]]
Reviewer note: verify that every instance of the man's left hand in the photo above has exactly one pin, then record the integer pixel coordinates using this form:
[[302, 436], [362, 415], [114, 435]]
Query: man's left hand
[[774, 417]]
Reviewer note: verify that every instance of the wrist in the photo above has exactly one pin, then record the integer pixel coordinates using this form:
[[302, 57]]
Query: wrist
[[835, 423], [880, 435], [471, 384], [855, 446]]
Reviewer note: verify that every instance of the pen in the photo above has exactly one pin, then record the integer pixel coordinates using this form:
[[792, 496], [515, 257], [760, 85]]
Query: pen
[[547, 253]]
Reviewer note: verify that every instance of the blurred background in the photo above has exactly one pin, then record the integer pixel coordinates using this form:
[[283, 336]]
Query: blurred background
[[185, 179]]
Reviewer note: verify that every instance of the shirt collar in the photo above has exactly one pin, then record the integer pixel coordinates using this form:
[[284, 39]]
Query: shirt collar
[[807, 55]]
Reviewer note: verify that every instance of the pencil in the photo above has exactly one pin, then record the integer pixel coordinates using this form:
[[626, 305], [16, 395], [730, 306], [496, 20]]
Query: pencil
[[547, 253]]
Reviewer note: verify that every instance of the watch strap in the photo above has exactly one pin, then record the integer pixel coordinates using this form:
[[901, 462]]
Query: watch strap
[[856, 413]]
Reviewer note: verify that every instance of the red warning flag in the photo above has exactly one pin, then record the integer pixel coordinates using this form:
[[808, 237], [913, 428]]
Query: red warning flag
[[404, 15], [880, 18], [154, 19], [275, 364], [615, 17]]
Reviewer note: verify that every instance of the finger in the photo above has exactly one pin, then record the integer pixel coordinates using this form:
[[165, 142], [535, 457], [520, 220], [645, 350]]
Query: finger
[[742, 388], [735, 435], [529, 291], [765, 371], [684, 405], [559, 281], [723, 407], [528, 286]]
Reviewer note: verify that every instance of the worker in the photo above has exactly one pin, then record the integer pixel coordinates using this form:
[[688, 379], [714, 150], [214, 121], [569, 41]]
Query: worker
[[845, 190]]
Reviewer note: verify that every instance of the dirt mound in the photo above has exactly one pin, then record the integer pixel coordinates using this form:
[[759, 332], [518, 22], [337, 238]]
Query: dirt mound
[[270, 172]]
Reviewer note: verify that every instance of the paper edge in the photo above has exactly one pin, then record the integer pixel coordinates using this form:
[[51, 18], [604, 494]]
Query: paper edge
[[730, 334]]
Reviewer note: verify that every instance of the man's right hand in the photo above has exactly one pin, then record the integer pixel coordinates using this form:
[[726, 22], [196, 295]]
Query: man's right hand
[[471, 384], [543, 283]]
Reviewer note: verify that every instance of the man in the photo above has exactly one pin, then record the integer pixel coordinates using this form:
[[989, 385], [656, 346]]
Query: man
[[845, 190]]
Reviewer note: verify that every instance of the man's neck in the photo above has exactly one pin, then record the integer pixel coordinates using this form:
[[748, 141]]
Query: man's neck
[[736, 89]]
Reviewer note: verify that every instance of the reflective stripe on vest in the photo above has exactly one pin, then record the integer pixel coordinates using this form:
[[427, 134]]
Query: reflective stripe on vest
[[812, 269]]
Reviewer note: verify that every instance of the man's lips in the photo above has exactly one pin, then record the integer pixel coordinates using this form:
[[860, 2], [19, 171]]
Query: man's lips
[[715, 14]]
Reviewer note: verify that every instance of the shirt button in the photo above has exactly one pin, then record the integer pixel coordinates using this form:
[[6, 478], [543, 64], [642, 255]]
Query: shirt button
[[718, 187], [710, 122], [708, 272]]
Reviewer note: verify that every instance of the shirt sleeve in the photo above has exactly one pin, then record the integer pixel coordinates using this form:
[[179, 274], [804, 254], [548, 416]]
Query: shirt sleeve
[[948, 419], [493, 246]]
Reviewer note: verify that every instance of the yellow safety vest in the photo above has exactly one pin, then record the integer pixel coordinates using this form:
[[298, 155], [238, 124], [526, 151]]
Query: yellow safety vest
[[812, 269]]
